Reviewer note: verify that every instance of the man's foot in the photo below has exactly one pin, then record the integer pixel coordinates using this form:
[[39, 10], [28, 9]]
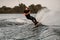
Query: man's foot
[[36, 25]]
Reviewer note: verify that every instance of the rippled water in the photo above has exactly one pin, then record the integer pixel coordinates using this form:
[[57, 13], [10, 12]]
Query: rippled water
[[4, 16], [15, 27]]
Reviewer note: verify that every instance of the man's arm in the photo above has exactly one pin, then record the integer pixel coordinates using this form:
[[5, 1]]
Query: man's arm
[[26, 14], [29, 12]]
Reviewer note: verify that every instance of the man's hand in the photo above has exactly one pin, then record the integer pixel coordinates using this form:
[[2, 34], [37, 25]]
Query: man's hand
[[26, 14]]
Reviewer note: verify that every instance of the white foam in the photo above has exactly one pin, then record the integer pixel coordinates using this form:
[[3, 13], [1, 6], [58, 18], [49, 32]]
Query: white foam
[[20, 20], [16, 20]]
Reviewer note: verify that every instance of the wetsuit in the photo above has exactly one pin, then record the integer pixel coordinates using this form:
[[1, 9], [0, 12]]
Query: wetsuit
[[28, 16]]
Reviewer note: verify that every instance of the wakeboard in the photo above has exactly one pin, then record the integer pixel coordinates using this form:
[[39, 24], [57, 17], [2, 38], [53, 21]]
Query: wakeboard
[[37, 26]]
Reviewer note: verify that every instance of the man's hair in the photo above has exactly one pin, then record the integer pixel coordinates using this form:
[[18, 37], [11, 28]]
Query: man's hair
[[27, 8]]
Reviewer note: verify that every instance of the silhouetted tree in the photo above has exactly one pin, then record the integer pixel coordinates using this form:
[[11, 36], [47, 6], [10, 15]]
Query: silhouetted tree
[[32, 8], [5, 9], [38, 7], [35, 8], [15, 9], [22, 7]]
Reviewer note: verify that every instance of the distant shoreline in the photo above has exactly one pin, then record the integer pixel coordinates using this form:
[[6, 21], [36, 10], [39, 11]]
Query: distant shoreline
[[20, 9], [16, 13]]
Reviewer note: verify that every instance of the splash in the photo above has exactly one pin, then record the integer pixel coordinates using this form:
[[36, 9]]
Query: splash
[[48, 17]]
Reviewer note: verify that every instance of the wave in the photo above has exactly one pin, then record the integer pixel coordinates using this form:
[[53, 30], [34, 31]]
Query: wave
[[12, 22]]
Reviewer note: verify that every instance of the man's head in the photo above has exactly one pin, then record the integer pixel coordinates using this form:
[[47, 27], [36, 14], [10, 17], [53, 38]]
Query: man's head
[[27, 8]]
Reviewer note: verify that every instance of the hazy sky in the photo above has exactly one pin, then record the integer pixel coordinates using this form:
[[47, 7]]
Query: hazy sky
[[51, 4]]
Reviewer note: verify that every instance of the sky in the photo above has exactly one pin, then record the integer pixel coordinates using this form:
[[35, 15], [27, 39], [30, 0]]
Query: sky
[[51, 4]]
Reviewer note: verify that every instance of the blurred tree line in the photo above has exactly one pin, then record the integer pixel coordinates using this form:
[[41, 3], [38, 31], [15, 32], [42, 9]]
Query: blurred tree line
[[20, 8]]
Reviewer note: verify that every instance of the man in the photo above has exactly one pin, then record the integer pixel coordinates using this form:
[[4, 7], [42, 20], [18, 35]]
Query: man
[[28, 16]]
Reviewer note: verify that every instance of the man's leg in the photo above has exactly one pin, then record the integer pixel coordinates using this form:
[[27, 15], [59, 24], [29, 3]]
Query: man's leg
[[34, 20]]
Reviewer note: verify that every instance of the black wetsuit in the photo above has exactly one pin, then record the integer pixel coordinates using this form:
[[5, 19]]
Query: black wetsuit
[[30, 17]]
